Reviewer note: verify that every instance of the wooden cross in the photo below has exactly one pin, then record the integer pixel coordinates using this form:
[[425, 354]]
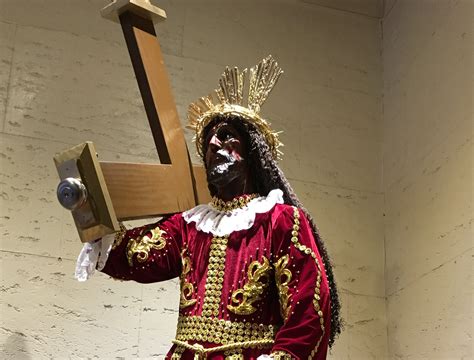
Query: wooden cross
[[120, 191]]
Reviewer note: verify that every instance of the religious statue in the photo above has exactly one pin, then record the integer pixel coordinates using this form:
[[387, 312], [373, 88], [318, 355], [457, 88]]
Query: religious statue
[[256, 279]]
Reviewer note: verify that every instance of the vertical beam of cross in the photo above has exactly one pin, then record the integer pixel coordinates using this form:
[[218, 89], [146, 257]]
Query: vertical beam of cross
[[139, 190], [154, 86]]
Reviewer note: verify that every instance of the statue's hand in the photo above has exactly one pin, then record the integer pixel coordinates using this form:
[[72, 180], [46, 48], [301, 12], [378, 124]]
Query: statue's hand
[[93, 256]]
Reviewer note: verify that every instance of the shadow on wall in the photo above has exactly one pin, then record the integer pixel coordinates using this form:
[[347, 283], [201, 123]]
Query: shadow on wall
[[16, 347]]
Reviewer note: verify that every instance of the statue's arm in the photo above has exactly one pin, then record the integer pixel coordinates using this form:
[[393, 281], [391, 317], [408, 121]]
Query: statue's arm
[[303, 289], [144, 254]]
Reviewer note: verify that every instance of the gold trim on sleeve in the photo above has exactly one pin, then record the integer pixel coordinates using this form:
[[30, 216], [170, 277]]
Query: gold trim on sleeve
[[308, 251], [258, 281], [282, 279], [187, 289], [119, 236], [143, 245]]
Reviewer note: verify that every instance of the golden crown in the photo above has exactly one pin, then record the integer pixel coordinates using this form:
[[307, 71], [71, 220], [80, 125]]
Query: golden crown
[[228, 100]]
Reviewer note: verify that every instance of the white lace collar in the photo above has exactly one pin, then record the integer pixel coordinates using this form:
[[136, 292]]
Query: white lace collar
[[210, 220]]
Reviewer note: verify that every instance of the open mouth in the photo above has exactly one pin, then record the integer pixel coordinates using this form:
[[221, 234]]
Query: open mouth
[[222, 157]]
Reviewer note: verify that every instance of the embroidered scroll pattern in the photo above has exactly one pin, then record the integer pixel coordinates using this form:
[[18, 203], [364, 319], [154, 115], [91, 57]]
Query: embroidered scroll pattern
[[317, 292], [187, 289], [258, 280], [282, 279], [142, 246]]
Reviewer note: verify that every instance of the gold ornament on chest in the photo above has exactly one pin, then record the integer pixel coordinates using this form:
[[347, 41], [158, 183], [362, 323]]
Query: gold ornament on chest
[[282, 277], [258, 279]]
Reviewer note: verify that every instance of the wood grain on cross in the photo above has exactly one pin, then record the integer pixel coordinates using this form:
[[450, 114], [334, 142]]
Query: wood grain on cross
[[152, 188], [139, 190]]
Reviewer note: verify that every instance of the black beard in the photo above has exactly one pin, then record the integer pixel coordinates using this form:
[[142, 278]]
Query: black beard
[[224, 172]]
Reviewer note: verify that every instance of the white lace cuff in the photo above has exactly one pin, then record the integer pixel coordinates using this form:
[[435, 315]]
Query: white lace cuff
[[93, 256]]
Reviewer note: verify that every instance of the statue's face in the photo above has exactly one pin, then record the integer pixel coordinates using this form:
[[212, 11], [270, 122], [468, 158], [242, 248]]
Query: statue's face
[[225, 155]]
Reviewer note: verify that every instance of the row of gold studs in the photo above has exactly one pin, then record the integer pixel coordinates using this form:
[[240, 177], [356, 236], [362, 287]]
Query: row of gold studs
[[237, 203], [201, 352], [215, 276], [317, 291], [221, 331]]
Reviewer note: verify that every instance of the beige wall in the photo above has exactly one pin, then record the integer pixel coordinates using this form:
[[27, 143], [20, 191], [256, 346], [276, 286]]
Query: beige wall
[[65, 77], [428, 158]]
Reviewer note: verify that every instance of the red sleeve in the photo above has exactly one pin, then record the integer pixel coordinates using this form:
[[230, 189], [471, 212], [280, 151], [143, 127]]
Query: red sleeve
[[302, 287], [149, 253]]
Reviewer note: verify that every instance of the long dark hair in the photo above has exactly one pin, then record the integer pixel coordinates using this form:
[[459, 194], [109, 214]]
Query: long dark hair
[[266, 176]]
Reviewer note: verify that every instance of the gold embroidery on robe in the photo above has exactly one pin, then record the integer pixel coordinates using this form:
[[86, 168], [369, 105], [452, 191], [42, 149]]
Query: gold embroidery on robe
[[281, 355], [234, 354], [215, 277], [257, 283], [187, 289], [235, 357], [177, 353], [317, 291], [224, 332], [282, 279], [143, 245], [119, 236]]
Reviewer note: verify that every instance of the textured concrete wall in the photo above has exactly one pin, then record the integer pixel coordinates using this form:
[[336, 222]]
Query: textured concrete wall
[[65, 77], [428, 158]]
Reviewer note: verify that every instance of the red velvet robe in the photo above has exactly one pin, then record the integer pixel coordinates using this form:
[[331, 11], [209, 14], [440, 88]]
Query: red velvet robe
[[264, 289]]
